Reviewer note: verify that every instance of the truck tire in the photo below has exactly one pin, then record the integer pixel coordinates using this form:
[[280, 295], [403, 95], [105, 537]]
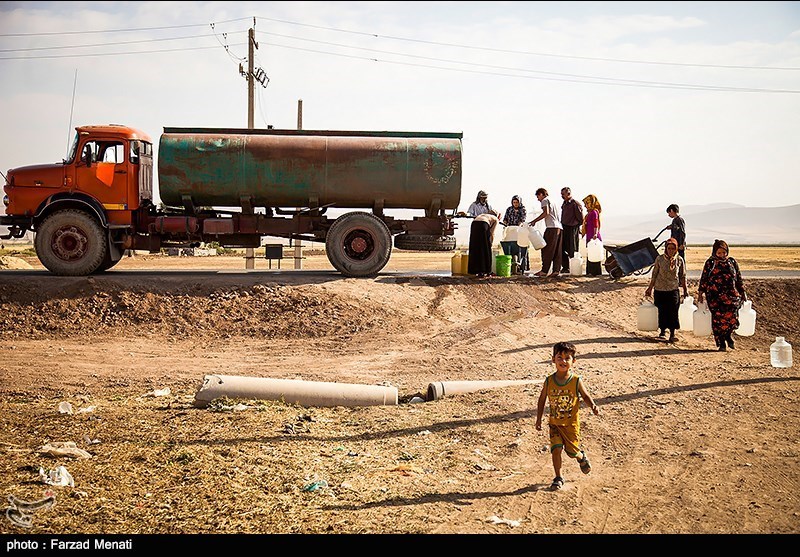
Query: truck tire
[[71, 243], [106, 264], [358, 244], [424, 242]]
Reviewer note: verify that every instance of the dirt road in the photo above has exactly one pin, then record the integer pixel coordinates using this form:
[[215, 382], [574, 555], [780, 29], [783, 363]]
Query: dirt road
[[689, 440]]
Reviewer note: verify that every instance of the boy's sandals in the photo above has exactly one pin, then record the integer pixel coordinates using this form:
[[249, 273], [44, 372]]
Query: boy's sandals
[[558, 483], [586, 467]]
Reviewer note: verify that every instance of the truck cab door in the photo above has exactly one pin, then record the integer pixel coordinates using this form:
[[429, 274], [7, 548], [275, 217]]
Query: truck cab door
[[102, 172]]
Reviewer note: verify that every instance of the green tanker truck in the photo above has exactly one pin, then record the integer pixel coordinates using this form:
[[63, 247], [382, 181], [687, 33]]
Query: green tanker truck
[[235, 186]]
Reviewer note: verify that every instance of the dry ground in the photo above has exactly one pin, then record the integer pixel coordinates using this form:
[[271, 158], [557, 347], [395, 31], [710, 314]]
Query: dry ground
[[689, 440]]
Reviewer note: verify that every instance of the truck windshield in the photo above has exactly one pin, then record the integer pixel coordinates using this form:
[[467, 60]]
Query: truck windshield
[[72, 150]]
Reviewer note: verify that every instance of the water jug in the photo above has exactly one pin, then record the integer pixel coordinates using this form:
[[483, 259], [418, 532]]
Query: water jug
[[537, 240], [686, 314], [594, 250], [747, 320], [455, 264], [576, 265], [510, 233], [495, 253], [523, 236], [646, 316], [701, 320], [780, 353], [465, 263]]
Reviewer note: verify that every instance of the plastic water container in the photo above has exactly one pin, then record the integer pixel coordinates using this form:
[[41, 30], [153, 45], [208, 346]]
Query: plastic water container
[[455, 264], [686, 314], [510, 233], [537, 240], [646, 315], [594, 250], [465, 263], [576, 265], [701, 320], [495, 252], [780, 353], [503, 265], [523, 236], [747, 320]]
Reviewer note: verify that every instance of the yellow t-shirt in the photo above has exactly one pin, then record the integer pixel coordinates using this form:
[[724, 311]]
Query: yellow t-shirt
[[564, 399]]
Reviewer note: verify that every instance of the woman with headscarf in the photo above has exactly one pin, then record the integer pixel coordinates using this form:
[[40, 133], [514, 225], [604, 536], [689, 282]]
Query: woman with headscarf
[[669, 273], [481, 238], [515, 216], [590, 229], [721, 285]]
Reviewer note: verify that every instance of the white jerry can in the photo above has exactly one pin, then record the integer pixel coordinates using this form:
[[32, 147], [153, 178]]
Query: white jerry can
[[647, 316], [701, 320]]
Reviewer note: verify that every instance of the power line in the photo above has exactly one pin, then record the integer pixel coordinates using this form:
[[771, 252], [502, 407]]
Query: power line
[[111, 44], [52, 33], [53, 56], [577, 79], [590, 77], [509, 51]]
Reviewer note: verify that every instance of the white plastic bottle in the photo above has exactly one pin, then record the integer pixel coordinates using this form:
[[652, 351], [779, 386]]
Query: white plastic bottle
[[780, 353]]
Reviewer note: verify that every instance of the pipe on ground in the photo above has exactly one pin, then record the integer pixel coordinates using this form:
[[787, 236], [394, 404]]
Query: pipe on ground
[[440, 389], [293, 391]]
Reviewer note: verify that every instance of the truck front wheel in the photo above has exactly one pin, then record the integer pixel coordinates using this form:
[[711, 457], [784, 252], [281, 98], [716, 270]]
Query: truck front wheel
[[70, 242], [358, 244]]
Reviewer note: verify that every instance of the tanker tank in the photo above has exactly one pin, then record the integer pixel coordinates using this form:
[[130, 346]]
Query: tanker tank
[[307, 168]]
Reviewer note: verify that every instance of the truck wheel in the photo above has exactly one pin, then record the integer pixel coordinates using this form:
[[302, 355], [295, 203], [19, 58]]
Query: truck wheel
[[358, 244], [70, 242], [424, 242], [106, 264]]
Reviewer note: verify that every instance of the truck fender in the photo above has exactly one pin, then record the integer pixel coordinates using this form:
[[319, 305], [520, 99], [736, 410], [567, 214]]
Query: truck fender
[[76, 201]]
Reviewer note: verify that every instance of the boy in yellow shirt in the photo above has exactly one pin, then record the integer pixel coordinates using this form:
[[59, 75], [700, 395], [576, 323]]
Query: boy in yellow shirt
[[562, 389]]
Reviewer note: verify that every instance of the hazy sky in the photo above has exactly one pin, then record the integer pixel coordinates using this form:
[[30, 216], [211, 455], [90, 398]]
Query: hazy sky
[[640, 103]]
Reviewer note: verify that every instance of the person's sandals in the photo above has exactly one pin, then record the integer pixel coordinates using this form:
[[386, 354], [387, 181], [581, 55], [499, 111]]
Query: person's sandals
[[586, 467], [558, 483], [539, 274], [671, 337], [662, 334], [729, 339]]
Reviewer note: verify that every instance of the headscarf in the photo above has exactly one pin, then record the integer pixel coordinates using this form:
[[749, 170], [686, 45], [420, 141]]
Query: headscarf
[[719, 244], [591, 203], [672, 260], [478, 199]]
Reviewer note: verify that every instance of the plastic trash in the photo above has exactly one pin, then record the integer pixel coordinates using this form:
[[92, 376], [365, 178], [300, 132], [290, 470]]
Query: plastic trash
[[416, 400], [57, 476], [494, 519], [65, 408], [314, 486], [63, 449], [20, 512]]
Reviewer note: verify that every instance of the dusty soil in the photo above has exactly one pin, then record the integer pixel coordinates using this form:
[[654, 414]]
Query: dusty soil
[[689, 440]]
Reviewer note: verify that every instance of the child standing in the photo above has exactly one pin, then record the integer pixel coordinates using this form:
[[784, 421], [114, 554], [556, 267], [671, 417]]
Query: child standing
[[562, 389]]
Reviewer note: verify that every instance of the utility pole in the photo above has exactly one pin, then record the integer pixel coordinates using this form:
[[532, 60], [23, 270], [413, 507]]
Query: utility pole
[[251, 76], [298, 247]]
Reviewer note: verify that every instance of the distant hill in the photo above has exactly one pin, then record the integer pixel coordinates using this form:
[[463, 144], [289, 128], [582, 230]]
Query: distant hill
[[736, 224]]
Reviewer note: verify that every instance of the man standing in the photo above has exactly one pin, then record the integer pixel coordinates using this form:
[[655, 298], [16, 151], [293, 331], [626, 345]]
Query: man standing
[[571, 220], [677, 229], [551, 253]]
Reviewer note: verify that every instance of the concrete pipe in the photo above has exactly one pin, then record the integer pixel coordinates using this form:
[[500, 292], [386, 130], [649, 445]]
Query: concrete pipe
[[292, 391], [439, 389]]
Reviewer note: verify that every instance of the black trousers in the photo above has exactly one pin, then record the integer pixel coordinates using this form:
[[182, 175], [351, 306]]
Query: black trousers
[[668, 303], [569, 245]]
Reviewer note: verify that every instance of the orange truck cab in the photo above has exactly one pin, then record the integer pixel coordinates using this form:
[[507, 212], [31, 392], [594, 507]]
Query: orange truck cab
[[83, 208]]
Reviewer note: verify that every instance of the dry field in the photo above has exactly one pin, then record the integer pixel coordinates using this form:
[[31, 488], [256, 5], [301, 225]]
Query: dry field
[[688, 440]]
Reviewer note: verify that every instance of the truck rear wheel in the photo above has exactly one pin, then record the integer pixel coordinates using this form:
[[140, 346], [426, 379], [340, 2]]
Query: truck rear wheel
[[424, 242], [358, 244], [70, 242]]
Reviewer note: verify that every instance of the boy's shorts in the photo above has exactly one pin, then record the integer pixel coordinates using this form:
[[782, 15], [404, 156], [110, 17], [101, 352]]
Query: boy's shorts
[[567, 436]]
